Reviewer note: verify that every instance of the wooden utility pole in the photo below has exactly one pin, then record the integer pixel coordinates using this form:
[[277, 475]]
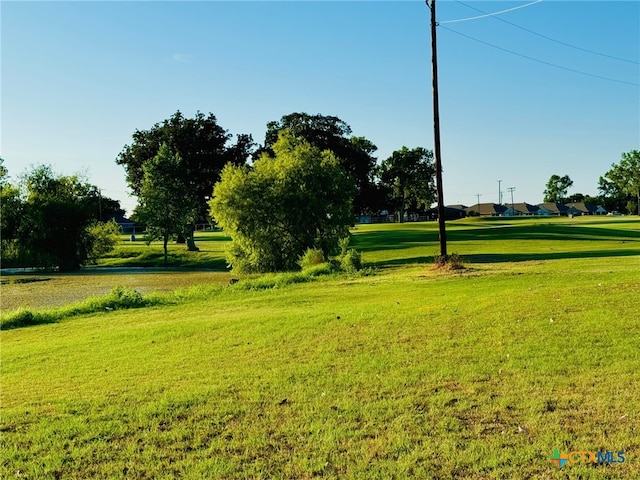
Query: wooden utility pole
[[436, 132]]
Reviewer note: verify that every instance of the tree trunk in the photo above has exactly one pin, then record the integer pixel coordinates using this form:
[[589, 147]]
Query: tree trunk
[[191, 244], [166, 240]]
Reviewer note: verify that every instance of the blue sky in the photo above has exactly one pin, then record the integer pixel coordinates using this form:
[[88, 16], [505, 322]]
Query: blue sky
[[79, 77]]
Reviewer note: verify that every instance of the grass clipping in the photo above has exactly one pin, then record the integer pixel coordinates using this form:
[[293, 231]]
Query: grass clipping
[[449, 263]]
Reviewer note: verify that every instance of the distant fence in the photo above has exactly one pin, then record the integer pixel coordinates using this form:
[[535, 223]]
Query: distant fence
[[363, 219], [134, 228]]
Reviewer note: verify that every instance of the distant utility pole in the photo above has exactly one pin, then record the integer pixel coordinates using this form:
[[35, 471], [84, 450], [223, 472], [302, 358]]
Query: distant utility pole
[[442, 233], [499, 193], [478, 195], [513, 210]]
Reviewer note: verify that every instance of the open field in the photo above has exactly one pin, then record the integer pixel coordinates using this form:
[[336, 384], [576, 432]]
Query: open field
[[406, 373]]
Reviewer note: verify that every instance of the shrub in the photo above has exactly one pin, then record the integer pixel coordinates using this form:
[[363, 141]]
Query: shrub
[[297, 198], [351, 261], [343, 243], [313, 256], [123, 297], [105, 237], [23, 318], [326, 268]]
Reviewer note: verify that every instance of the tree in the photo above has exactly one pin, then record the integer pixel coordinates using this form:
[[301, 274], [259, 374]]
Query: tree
[[203, 146], [163, 205], [47, 222], [613, 198], [557, 188], [294, 199], [409, 176], [355, 154], [11, 213], [103, 208], [625, 176], [4, 173]]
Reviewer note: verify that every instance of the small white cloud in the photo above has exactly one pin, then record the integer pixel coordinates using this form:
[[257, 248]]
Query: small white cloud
[[182, 57]]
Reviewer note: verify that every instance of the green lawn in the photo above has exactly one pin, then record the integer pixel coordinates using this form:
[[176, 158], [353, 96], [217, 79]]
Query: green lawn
[[405, 373]]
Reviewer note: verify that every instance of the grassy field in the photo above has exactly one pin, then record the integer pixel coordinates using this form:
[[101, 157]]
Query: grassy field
[[404, 373]]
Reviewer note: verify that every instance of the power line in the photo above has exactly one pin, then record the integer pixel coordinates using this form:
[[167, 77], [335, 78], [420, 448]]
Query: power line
[[489, 14], [549, 38], [541, 61]]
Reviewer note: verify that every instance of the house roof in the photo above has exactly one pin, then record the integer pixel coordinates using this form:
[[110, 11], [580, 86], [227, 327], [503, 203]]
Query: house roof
[[487, 208], [457, 207], [553, 207], [583, 207], [525, 208], [121, 219]]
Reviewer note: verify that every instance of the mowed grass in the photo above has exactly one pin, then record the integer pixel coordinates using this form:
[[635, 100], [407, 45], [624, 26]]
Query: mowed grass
[[408, 373]]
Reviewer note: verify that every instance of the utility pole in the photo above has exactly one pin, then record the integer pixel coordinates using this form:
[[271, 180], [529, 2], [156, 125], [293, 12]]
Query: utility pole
[[442, 233], [478, 195], [513, 210], [499, 193]]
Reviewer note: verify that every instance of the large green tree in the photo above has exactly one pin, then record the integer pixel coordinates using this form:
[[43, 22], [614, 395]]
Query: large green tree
[[625, 176], [163, 206], [11, 213], [48, 221], [612, 198], [557, 188], [204, 147], [296, 198], [355, 154], [408, 174]]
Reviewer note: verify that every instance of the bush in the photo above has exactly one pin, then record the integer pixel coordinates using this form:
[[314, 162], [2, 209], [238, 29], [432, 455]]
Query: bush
[[343, 243], [351, 261], [297, 198], [123, 297], [313, 256], [104, 237]]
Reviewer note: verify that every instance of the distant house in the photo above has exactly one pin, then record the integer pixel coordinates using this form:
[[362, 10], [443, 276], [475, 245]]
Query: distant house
[[581, 208], [455, 211], [486, 210], [125, 224], [519, 209], [551, 208], [451, 212]]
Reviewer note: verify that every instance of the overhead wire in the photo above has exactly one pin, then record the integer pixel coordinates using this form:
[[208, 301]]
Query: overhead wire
[[544, 36], [540, 61], [490, 14]]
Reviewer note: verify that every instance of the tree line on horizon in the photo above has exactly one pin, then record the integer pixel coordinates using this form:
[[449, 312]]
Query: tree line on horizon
[[300, 189]]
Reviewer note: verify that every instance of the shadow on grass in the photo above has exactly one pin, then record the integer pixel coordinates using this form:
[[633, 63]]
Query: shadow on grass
[[514, 257], [404, 238], [211, 238]]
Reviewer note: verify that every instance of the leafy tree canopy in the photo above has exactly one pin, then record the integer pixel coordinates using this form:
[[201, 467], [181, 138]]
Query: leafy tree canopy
[[48, 221], [557, 188], [409, 177], [202, 144], [294, 199], [162, 204], [625, 178], [355, 154]]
